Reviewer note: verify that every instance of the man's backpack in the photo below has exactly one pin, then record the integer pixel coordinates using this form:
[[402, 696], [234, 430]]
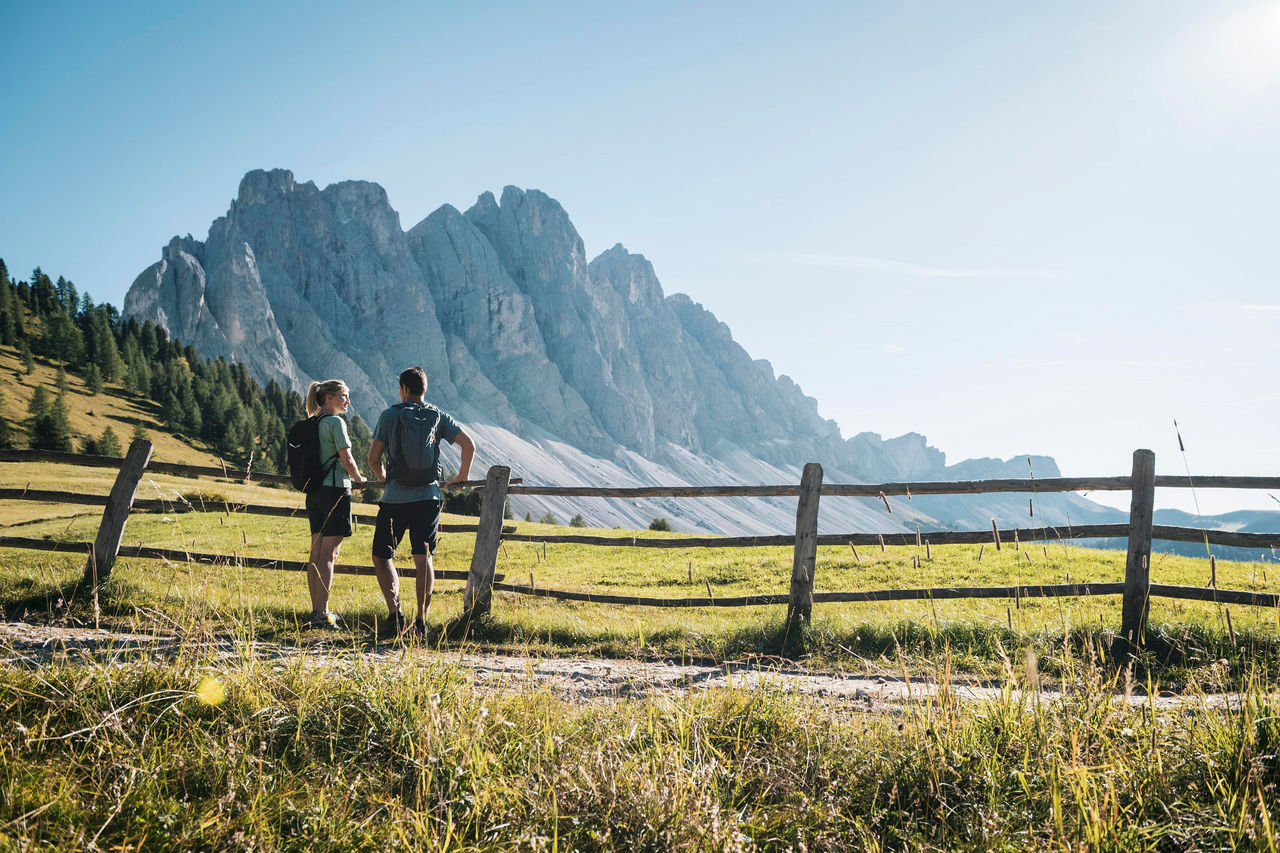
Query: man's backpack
[[415, 450], [306, 470]]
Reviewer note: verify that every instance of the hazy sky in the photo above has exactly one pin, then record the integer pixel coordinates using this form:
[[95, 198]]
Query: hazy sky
[[1012, 227]]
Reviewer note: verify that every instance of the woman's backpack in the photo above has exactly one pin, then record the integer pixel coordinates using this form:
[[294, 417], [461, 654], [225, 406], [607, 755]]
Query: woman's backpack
[[306, 471]]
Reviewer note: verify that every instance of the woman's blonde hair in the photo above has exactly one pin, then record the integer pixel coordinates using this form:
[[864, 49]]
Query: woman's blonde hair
[[320, 391]]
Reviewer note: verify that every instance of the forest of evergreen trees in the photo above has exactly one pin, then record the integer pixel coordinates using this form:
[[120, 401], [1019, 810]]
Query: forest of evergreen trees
[[204, 399]]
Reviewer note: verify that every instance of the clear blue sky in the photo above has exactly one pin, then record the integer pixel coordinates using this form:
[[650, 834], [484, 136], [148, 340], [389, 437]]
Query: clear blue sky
[[1013, 227]]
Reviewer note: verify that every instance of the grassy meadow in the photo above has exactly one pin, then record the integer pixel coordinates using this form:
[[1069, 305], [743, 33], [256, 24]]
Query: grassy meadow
[[329, 748]]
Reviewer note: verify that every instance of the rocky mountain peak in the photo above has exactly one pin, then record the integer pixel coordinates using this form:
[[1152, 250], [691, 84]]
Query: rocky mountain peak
[[571, 372], [259, 186]]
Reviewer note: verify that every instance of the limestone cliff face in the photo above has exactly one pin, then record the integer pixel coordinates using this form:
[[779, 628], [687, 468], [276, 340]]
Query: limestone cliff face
[[584, 325], [571, 371], [215, 302]]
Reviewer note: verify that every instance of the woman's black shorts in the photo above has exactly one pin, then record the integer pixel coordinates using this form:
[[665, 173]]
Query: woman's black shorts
[[329, 510]]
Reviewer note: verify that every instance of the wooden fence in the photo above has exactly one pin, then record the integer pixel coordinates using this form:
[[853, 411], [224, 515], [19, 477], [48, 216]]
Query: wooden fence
[[1136, 590]]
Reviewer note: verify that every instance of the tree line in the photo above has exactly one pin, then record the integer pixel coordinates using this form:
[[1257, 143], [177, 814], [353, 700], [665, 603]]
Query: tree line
[[209, 400]]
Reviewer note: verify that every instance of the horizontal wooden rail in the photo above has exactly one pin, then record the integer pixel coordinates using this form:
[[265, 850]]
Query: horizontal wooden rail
[[1215, 537], [941, 537], [1228, 482], [1221, 596], [937, 593], [912, 489], [90, 461], [182, 556], [862, 490], [186, 505], [936, 537]]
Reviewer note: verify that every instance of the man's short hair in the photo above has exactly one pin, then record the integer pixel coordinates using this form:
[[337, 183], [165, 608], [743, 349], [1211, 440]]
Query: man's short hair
[[414, 380]]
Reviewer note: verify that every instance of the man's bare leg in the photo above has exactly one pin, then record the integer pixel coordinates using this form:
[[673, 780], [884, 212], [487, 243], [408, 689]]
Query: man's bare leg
[[425, 585], [389, 581]]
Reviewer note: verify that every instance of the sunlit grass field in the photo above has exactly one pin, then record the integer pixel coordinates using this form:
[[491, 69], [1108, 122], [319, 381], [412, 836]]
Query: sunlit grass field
[[213, 745], [978, 632]]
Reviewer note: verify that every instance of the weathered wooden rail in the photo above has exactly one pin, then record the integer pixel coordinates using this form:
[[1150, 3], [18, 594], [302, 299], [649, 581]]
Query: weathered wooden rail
[[1136, 589]]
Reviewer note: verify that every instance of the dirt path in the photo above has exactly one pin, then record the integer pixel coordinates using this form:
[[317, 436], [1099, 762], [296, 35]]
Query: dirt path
[[588, 679]]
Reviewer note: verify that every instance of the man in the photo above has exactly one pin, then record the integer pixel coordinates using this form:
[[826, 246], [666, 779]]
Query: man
[[409, 433]]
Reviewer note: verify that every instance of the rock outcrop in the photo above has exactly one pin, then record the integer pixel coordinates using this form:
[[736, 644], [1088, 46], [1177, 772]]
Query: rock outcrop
[[573, 372]]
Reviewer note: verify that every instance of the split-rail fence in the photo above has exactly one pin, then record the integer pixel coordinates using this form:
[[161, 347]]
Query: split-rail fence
[[1136, 590]]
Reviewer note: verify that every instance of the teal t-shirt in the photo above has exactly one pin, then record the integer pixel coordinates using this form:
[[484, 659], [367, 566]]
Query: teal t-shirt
[[396, 493], [333, 437]]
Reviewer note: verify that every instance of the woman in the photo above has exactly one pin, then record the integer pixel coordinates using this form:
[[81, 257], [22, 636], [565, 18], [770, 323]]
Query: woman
[[329, 505]]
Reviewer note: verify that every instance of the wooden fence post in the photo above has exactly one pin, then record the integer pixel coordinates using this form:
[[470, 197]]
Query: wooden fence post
[[105, 547], [1137, 570], [478, 596], [800, 601]]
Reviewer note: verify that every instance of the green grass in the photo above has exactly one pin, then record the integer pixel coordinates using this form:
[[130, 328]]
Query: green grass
[[334, 753], [90, 414], [979, 633], [321, 747]]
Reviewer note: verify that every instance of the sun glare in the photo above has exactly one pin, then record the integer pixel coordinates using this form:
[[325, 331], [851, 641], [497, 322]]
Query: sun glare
[[1246, 47]]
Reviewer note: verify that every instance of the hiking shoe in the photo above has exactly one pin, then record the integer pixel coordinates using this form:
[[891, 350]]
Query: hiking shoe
[[393, 628], [419, 629], [327, 621]]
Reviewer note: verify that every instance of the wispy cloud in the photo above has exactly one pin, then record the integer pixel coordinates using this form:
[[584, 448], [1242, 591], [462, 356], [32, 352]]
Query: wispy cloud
[[859, 262], [1103, 362], [1233, 307]]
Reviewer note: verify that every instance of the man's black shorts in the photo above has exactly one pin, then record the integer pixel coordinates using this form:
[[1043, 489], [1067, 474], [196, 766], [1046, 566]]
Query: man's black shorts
[[329, 511], [420, 518]]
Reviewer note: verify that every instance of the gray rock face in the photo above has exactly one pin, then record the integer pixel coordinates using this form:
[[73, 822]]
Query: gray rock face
[[569, 370]]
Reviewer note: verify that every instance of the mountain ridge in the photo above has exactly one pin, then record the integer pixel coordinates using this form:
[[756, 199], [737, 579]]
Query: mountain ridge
[[568, 368]]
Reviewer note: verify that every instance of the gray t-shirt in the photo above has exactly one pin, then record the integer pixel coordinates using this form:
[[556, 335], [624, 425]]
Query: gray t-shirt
[[396, 493]]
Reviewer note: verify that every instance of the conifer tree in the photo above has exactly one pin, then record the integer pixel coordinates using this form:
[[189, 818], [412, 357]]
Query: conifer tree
[[6, 431], [171, 414], [38, 406], [93, 378], [28, 357], [48, 426], [109, 444]]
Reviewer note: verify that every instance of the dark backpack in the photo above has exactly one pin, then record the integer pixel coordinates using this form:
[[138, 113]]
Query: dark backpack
[[306, 470], [415, 450]]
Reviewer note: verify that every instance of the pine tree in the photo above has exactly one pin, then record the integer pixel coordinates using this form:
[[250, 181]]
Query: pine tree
[[171, 414], [6, 431], [38, 406], [8, 304], [578, 521], [139, 433], [60, 426], [93, 378], [48, 426], [109, 445], [63, 385], [361, 440], [28, 357]]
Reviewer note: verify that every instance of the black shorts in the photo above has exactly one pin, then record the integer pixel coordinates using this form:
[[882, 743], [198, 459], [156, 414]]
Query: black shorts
[[420, 518], [329, 511]]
